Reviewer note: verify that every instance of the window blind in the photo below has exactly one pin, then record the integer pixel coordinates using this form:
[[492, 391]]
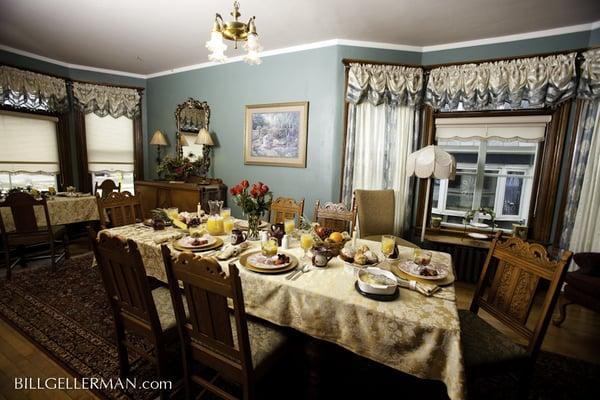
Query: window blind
[[109, 143], [28, 143], [530, 128]]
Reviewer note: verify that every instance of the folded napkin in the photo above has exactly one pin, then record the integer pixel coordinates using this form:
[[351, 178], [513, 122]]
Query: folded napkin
[[165, 237], [231, 251], [423, 288]]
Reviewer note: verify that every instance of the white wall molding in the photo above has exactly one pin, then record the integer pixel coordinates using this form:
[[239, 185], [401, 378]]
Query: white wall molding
[[327, 43]]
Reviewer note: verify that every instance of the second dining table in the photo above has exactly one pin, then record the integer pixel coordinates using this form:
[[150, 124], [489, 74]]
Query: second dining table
[[415, 334]]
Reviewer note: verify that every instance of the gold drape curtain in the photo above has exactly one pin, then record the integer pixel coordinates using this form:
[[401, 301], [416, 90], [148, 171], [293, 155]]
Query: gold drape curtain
[[523, 83], [26, 89], [107, 100]]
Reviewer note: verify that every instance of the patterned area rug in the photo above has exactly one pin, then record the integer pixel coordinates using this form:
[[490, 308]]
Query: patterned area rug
[[68, 316]]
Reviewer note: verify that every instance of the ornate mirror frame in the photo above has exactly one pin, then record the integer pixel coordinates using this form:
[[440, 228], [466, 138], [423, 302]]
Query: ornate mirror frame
[[199, 114]]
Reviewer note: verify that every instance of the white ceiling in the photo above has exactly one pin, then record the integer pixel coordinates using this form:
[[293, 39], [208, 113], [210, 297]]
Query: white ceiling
[[148, 36]]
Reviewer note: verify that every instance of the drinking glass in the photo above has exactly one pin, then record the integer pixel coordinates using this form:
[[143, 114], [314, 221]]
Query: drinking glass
[[306, 242], [225, 212], [228, 224], [422, 257], [388, 242], [289, 225], [214, 225], [268, 247]]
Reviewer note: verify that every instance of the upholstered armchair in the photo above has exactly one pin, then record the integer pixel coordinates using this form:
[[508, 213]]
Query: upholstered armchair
[[582, 286]]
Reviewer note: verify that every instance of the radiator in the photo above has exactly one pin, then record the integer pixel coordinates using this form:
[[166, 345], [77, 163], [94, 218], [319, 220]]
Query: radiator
[[468, 261]]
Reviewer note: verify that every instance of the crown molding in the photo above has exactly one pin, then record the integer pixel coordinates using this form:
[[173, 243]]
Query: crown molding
[[326, 43]]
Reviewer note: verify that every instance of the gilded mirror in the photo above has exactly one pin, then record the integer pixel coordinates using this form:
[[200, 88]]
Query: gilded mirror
[[191, 116]]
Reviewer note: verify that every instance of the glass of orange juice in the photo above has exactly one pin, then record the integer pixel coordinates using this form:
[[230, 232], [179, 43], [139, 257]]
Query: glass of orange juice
[[225, 212], [289, 225], [306, 242], [388, 242], [228, 225]]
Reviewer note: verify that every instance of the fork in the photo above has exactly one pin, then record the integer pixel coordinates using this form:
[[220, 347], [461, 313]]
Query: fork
[[301, 271]]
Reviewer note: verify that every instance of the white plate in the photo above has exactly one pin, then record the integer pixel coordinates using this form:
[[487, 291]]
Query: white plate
[[264, 262], [476, 235], [409, 267], [187, 240]]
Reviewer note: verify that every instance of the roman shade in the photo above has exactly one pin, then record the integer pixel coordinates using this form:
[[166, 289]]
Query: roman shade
[[390, 84], [106, 100], [522, 83], [522, 128], [109, 143], [28, 143], [26, 89]]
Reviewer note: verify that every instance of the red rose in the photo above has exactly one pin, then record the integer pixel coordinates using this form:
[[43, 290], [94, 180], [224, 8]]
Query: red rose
[[254, 192], [232, 191], [245, 183], [264, 189]]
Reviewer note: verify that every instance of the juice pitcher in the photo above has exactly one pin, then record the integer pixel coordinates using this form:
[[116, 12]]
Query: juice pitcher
[[214, 207]]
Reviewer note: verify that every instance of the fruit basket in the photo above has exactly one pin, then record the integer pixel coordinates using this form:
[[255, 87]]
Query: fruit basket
[[334, 241]]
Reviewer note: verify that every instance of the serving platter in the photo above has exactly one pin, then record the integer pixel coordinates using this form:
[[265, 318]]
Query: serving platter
[[217, 244], [253, 262]]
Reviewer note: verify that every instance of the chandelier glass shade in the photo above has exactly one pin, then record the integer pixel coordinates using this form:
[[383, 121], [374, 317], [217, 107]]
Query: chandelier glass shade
[[235, 31]]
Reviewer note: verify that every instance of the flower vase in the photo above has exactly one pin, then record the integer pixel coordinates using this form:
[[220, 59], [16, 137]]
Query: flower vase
[[253, 223]]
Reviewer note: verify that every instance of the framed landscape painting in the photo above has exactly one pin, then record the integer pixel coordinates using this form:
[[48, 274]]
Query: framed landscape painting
[[275, 134]]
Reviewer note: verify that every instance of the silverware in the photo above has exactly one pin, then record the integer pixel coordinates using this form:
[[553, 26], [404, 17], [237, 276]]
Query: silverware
[[302, 271], [294, 272]]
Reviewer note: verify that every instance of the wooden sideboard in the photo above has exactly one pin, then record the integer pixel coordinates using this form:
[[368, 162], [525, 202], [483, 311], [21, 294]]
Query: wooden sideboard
[[185, 196]]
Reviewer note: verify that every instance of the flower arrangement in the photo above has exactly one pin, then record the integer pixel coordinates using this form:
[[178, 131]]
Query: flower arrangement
[[253, 202], [173, 167]]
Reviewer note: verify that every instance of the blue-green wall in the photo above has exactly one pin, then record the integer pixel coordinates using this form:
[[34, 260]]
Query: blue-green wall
[[17, 60]]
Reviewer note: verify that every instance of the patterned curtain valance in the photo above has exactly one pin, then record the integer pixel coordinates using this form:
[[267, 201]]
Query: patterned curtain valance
[[26, 89], [107, 100], [523, 83], [589, 82], [391, 84]]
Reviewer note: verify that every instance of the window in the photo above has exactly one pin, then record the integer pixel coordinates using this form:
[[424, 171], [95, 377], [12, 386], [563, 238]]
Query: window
[[495, 168], [110, 151], [28, 151]]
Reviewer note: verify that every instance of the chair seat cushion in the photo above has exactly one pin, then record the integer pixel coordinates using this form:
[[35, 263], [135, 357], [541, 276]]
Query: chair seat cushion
[[266, 340], [164, 308], [485, 345], [589, 284], [399, 241]]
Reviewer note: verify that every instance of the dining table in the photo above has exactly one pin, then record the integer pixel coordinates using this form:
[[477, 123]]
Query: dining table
[[415, 334], [62, 210]]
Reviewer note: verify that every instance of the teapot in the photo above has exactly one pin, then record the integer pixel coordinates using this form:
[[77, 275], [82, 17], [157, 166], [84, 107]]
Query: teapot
[[277, 232], [321, 256], [237, 236]]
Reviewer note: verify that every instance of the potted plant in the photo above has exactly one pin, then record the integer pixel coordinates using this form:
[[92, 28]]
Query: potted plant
[[178, 168], [253, 202]]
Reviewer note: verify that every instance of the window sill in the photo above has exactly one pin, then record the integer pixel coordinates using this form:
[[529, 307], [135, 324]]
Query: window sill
[[459, 238]]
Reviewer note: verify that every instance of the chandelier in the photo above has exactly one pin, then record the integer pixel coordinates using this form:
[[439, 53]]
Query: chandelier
[[235, 31]]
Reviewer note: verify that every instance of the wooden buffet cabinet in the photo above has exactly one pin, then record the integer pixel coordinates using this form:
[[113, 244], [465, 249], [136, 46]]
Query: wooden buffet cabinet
[[185, 196]]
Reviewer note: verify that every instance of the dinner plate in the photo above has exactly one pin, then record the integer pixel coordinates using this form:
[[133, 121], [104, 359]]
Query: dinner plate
[[218, 243], [243, 224], [244, 261], [186, 241], [410, 268]]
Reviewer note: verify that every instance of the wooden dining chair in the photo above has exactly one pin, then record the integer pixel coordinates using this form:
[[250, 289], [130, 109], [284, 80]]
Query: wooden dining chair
[[235, 348], [106, 187], [283, 208], [118, 209], [376, 213], [27, 235], [135, 307], [335, 216], [506, 290]]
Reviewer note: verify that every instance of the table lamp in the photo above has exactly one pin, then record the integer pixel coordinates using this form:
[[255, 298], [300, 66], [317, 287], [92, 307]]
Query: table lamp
[[158, 140], [207, 143], [430, 162]]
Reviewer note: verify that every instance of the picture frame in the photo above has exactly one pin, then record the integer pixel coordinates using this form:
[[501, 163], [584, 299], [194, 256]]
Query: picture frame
[[276, 134]]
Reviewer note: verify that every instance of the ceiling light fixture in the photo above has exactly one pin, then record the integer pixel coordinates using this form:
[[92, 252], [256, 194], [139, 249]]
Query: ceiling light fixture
[[235, 31]]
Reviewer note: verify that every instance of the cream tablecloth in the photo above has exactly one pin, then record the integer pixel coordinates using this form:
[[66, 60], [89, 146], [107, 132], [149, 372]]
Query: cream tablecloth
[[62, 210], [415, 334]]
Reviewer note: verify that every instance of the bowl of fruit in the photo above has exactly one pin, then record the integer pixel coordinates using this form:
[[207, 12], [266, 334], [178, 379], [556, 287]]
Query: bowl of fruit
[[333, 240]]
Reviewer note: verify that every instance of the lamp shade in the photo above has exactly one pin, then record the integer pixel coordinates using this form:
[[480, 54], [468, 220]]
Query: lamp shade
[[158, 139], [204, 138], [431, 162], [183, 140]]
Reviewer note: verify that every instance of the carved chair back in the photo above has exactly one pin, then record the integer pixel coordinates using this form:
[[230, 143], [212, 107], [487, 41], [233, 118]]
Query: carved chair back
[[106, 187], [22, 209], [514, 268], [119, 208], [208, 335], [335, 216], [126, 284], [375, 210], [283, 208]]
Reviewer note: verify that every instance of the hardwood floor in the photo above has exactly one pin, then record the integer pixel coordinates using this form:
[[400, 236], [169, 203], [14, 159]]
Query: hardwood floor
[[578, 337]]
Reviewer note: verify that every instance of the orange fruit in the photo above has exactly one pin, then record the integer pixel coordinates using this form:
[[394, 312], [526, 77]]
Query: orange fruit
[[336, 237]]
